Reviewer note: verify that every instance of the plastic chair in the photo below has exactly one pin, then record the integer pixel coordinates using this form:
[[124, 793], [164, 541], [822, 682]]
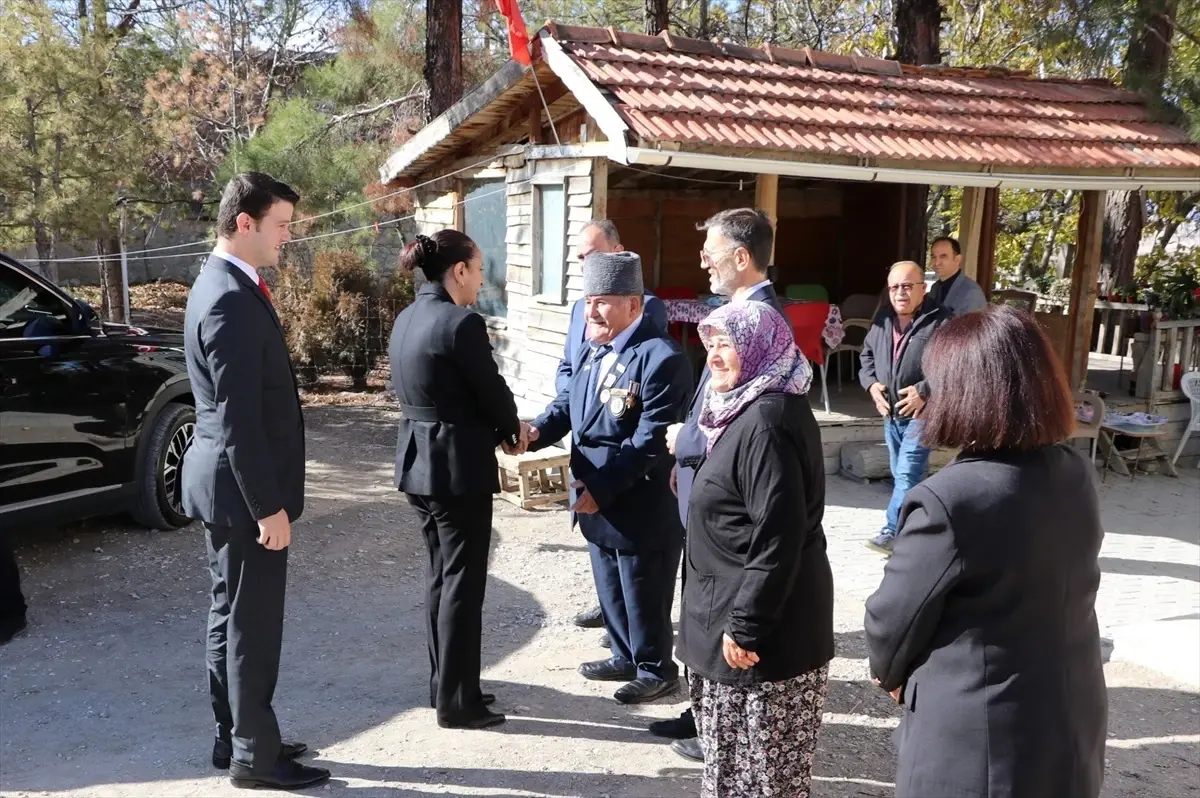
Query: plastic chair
[[859, 306], [807, 292], [850, 345], [1190, 385], [1090, 429], [808, 325]]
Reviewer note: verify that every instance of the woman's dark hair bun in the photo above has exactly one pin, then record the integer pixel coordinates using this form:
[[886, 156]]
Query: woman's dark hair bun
[[434, 254], [428, 246]]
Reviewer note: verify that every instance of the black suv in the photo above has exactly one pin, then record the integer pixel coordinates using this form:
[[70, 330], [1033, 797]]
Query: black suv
[[94, 417]]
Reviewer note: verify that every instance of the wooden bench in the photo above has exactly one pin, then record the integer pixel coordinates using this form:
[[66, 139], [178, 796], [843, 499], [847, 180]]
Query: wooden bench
[[534, 478]]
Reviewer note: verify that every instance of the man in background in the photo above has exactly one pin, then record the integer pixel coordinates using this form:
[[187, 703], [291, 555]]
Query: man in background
[[891, 373], [243, 476], [599, 236], [953, 290]]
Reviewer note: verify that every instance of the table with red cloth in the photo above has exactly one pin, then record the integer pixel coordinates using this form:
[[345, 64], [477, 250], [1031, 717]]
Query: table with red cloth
[[694, 311]]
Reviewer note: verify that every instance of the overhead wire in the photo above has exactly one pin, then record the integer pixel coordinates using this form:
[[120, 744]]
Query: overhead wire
[[209, 242]]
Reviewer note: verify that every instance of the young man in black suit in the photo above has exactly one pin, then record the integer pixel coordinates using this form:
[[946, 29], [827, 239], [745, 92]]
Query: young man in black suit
[[243, 476]]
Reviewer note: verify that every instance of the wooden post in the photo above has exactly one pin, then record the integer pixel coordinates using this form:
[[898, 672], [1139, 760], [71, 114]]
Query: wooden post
[[658, 241], [599, 188], [766, 198], [535, 125], [1084, 273], [970, 226], [986, 269]]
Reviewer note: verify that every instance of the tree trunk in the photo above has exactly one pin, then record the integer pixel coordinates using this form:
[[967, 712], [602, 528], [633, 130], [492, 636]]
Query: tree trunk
[[112, 292], [1124, 215], [703, 32], [443, 54], [1030, 242], [918, 37], [1182, 209], [1052, 236], [746, 6], [772, 21], [1150, 50], [918, 31], [1145, 71], [657, 16]]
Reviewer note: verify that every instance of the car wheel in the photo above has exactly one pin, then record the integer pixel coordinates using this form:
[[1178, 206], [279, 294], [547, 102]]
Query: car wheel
[[160, 494]]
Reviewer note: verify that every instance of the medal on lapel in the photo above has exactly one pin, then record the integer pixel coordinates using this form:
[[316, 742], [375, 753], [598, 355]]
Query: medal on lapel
[[616, 401]]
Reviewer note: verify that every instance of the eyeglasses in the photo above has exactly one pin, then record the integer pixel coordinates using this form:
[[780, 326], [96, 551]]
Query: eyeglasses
[[902, 288], [712, 257]]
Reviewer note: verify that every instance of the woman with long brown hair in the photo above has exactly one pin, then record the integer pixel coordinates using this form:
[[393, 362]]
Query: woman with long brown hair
[[984, 627]]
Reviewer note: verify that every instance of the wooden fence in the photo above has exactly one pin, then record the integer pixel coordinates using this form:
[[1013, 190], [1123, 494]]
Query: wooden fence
[[1175, 350]]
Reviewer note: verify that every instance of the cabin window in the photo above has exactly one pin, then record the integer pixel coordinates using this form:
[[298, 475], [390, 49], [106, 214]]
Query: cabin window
[[485, 220], [550, 243]]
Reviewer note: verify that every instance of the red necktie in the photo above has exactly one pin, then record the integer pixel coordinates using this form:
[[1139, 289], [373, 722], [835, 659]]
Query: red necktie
[[267, 291]]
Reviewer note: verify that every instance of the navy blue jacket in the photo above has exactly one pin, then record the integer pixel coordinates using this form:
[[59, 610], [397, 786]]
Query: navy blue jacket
[[623, 461], [653, 309], [690, 443]]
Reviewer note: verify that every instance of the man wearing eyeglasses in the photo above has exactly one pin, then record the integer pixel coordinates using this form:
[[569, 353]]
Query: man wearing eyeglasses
[[891, 373]]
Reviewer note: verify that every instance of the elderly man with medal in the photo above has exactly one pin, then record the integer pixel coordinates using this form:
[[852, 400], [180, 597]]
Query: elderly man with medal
[[628, 384]]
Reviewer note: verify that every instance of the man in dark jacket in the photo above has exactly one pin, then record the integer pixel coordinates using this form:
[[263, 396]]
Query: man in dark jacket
[[891, 373], [627, 386], [243, 476]]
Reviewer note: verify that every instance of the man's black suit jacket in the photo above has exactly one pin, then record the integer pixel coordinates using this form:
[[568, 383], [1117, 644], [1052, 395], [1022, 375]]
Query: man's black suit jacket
[[455, 406], [246, 460]]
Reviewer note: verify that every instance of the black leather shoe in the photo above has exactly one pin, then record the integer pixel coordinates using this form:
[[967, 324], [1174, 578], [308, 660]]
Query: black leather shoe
[[286, 775], [689, 749], [605, 671], [606, 641], [592, 619], [488, 700], [680, 728], [223, 752], [482, 721], [639, 691]]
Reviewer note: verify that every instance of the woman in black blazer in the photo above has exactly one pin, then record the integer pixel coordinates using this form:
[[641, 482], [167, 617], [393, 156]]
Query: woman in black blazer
[[984, 627], [757, 621], [455, 408]]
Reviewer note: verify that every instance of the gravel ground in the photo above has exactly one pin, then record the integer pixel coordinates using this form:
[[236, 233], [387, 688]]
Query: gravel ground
[[105, 694]]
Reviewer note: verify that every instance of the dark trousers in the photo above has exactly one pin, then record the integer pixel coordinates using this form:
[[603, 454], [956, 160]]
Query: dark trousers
[[12, 601], [245, 635], [458, 534], [636, 591]]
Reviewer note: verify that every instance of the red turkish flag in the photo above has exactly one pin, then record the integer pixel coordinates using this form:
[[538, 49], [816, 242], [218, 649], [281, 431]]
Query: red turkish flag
[[518, 36]]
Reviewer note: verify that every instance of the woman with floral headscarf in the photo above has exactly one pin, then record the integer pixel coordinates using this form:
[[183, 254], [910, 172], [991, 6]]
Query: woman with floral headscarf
[[757, 620]]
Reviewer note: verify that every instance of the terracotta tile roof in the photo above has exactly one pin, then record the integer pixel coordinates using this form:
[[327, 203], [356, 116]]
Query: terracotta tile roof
[[672, 89]]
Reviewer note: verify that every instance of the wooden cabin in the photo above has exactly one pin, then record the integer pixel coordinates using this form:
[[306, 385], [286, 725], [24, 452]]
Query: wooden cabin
[[657, 133]]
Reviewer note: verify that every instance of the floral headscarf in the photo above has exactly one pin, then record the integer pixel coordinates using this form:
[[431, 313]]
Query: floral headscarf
[[770, 361]]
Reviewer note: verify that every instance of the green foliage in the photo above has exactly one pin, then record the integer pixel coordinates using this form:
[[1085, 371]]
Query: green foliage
[[1172, 281], [71, 137], [342, 318]]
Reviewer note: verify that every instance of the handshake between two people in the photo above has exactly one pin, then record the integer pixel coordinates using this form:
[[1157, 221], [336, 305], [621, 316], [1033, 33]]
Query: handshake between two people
[[528, 435]]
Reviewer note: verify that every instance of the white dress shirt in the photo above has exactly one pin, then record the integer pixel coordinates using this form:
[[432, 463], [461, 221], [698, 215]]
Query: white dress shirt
[[618, 344]]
